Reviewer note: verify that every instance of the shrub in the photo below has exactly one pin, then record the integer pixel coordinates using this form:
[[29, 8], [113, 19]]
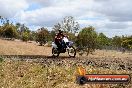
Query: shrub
[[9, 31], [87, 39], [49, 43], [25, 36], [1, 59], [42, 36]]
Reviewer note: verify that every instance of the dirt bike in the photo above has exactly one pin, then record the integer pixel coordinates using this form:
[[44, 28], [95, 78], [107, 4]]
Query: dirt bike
[[67, 46]]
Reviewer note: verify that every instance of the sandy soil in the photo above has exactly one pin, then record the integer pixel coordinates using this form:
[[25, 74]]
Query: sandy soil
[[22, 48]]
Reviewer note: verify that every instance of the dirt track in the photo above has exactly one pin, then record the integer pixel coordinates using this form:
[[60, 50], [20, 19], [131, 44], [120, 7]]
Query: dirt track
[[106, 62]]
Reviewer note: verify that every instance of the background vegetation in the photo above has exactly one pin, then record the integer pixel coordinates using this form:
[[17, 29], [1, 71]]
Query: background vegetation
[[86, 39]]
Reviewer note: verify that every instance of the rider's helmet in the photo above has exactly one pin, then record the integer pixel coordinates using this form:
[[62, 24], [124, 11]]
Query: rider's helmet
[[60, 31]]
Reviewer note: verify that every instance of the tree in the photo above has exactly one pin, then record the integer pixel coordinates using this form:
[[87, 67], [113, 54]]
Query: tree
[[52, 34], [87, 39], [127, 42], [18, 25], [42, 36], [116, 41], [9, 31], [57, 27], [71, 36], [0, 31], [32, 36], [25, 36], [3, 20], [22, 30], [69, 25], [103, 41]]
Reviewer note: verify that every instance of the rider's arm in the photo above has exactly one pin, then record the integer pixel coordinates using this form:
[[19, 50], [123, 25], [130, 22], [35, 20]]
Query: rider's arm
[[66, 36]]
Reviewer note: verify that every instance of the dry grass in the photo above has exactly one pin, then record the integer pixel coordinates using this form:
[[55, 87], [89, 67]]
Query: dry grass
[[23, 74], [22, 48], [110, 53]]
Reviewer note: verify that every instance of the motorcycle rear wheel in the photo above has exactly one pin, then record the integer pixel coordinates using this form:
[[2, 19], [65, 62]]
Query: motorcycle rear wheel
[[55, 52]]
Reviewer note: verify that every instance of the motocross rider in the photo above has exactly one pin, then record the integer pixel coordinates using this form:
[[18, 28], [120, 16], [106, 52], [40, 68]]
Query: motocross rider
[[58, 39]]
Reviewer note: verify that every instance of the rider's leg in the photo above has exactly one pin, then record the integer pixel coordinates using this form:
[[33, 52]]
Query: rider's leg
[[58, 45]]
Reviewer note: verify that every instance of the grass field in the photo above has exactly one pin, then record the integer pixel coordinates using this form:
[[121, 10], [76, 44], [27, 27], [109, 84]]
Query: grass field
[[57, 72], [52, 74], [22, 48]]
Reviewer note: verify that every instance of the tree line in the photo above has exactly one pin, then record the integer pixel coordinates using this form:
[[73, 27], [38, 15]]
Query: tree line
[[86, 39]]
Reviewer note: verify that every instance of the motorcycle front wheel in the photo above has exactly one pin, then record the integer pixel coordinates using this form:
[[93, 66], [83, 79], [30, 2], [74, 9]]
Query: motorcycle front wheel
[[55, 52], [72, 51]]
